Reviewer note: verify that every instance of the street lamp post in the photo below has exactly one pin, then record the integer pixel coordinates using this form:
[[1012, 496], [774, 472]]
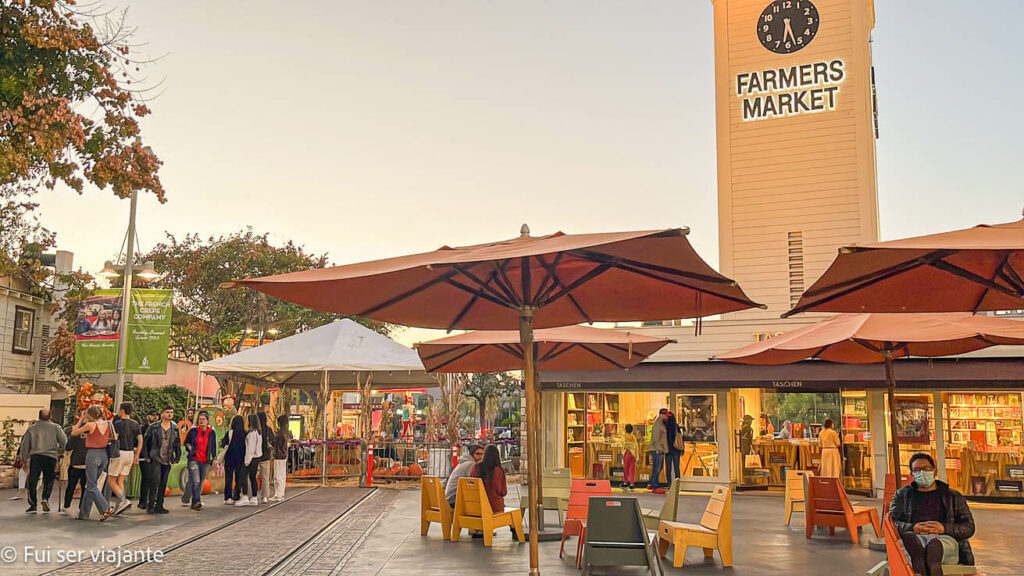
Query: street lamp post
[[129, 261]]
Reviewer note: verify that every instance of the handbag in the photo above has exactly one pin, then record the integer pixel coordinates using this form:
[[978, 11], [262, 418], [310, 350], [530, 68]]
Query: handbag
[[113, 449], [677, 442], [752, 461]]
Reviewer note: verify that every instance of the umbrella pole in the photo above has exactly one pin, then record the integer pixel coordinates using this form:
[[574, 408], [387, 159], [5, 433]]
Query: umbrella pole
[[533, 428], [890, 379], [536, 446]]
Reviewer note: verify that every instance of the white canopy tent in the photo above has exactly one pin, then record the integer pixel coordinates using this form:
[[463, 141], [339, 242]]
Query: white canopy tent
[[342, 355]]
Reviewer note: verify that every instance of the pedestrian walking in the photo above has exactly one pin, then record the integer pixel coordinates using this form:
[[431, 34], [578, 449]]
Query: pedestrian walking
[[145, 470], [76, 470], [266, 463], [658, 449], [163, 445], [281, 438], [41, 447], [630, 450], [100, 432], [129, 442], [234, 460], [675, 447], [201, 449], [253, 452]]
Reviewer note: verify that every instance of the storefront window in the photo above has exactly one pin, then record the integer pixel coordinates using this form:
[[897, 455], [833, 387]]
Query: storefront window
[[983, 433], [697, 418]]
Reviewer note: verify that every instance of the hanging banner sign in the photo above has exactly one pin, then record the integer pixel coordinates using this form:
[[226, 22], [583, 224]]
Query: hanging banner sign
[[97, 332], [149, 332]]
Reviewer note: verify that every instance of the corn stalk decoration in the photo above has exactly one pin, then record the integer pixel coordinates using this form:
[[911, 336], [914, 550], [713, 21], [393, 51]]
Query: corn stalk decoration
[[365, 406], [435, 420], [451, 386]]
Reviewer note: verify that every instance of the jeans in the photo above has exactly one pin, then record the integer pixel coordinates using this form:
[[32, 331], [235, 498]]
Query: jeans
[[657, 461], [158, 484], [671, 465], [145, 488], [233, 480], [250, 470], [45, 465], [95, 464], [76, 476], [197, 472], [280, 477]]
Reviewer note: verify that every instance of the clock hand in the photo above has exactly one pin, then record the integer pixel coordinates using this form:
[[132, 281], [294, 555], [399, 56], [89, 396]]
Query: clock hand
[[789, 31]]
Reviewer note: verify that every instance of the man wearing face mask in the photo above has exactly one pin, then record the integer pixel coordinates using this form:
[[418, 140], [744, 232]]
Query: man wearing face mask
[[933, 520]]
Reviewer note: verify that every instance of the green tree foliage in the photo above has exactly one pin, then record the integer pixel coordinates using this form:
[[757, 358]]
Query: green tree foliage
[[484, 385], [143, 400]]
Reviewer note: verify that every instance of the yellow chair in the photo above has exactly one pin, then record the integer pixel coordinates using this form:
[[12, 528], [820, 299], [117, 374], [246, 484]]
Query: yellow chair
[[473, 511], [713, 533], [434, 507], [795, 496]]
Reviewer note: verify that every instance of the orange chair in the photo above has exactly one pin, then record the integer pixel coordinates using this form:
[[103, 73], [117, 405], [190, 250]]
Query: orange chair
[[576, 516], [891, 488], [899, 565], [828, 505]]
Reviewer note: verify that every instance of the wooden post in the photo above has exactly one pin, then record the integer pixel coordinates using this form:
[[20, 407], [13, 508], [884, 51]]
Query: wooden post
[[533, 462]]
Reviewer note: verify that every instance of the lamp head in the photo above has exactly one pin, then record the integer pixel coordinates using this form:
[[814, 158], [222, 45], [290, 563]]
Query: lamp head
[[109, 271]]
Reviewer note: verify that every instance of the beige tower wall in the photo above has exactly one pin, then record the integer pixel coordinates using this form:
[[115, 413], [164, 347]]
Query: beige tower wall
[[811, 173]]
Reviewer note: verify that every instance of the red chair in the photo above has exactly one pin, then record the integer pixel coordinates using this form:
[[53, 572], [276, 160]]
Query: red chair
[[576, 516], [828, 505], [891, 488]]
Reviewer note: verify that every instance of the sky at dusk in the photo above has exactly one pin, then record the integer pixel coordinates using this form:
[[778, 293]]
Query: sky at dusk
[[371, 129]]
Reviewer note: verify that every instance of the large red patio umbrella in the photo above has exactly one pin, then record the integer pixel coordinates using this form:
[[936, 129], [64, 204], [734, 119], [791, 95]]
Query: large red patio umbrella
[[971, 270], [871, 338], [565, 348], [525, 282]]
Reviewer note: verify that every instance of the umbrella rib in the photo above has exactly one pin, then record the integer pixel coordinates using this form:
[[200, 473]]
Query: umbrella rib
[[566, 289], [515, 352], [685, 285], [387, 303], [556, 352], [482, 295], [603, 357], [591, 255], [462, 313], [456, 358], [544, 289], [855, 284], [1010, 275], [967, 275], [485, 285], [502, 279]]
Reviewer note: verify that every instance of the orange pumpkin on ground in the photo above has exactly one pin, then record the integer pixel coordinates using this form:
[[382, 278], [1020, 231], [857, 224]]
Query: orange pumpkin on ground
[[415, 470]]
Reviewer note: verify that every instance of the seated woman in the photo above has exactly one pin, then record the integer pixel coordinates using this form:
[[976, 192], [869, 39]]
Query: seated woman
[[787, 431], [489, 470]]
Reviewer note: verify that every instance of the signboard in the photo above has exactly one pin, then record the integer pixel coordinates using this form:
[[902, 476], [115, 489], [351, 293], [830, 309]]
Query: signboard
[[149, 332], [1009, 486], [1015, 471], [97, 332], [912, 418]]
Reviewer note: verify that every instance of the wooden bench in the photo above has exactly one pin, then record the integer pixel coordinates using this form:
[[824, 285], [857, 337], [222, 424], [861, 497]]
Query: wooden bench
[[714, 532], [557, 483], [473, 511], [891, 488], [795, 493], [828, 505], [576, 516], [899, 565], [669, 509], [434, 506]]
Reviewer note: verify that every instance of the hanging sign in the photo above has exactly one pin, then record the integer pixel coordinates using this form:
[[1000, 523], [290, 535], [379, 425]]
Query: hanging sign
[[149, 332], [97, 332]]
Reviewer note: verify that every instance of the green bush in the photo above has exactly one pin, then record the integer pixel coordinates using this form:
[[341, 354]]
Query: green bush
[[145, 399]]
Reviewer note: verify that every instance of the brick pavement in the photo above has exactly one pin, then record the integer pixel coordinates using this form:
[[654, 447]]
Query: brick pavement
[[256, 543]]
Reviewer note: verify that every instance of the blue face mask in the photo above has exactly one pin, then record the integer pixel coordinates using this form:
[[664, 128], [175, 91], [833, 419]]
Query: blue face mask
[[924, 478]]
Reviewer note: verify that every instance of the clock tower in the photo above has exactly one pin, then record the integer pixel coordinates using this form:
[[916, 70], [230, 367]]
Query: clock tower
[[796, 142]]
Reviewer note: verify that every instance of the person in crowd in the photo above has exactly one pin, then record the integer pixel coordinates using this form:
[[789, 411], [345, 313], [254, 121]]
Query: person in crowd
[[190, 416], [933, 520], [266, 462], [490, 471], [474, 453], [253, 452], [83, 324], [145, 470], [201, 450], [630, 450], [129, 441], [281, 438], [234, 459], [163, 446], [100, 431], [674, 439], [787, 431], [41, 447], [766, 426], [746, 439], [831, 463], [76, 469], [658, 449]]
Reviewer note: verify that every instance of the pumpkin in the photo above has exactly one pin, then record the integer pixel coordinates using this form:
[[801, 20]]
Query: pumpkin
[[403, 471], [415, 470]]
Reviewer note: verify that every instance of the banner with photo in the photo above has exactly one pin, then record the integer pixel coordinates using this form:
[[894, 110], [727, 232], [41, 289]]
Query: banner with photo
[[913, 414], [97, 332], [149, 332]]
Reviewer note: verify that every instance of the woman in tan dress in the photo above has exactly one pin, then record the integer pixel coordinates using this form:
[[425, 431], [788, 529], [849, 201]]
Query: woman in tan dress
[[831, 463]]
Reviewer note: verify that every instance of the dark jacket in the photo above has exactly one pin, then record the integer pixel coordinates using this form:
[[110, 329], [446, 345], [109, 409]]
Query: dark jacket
[[281, 443], [143, 453], [191, 443], [268, 444], [76, 445], [154, 440], [958, 523], [235, 454]]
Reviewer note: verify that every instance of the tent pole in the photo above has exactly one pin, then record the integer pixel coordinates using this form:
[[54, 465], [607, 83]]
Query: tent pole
[[326, 383], [533, 427], [890, 379]]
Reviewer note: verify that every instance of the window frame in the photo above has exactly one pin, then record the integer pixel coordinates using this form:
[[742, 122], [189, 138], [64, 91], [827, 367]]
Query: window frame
[[18, 311]]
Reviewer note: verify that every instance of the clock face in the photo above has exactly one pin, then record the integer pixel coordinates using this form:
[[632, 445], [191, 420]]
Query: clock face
[[786, 26]]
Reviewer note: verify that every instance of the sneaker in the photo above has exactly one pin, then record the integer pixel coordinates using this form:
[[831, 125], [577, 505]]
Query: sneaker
[[658, 491], [254, 502], [264, 500], [125, 504], [162, 511], [197, 506], [229, 502], [31, 510], [186, 504], [46, 506]]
